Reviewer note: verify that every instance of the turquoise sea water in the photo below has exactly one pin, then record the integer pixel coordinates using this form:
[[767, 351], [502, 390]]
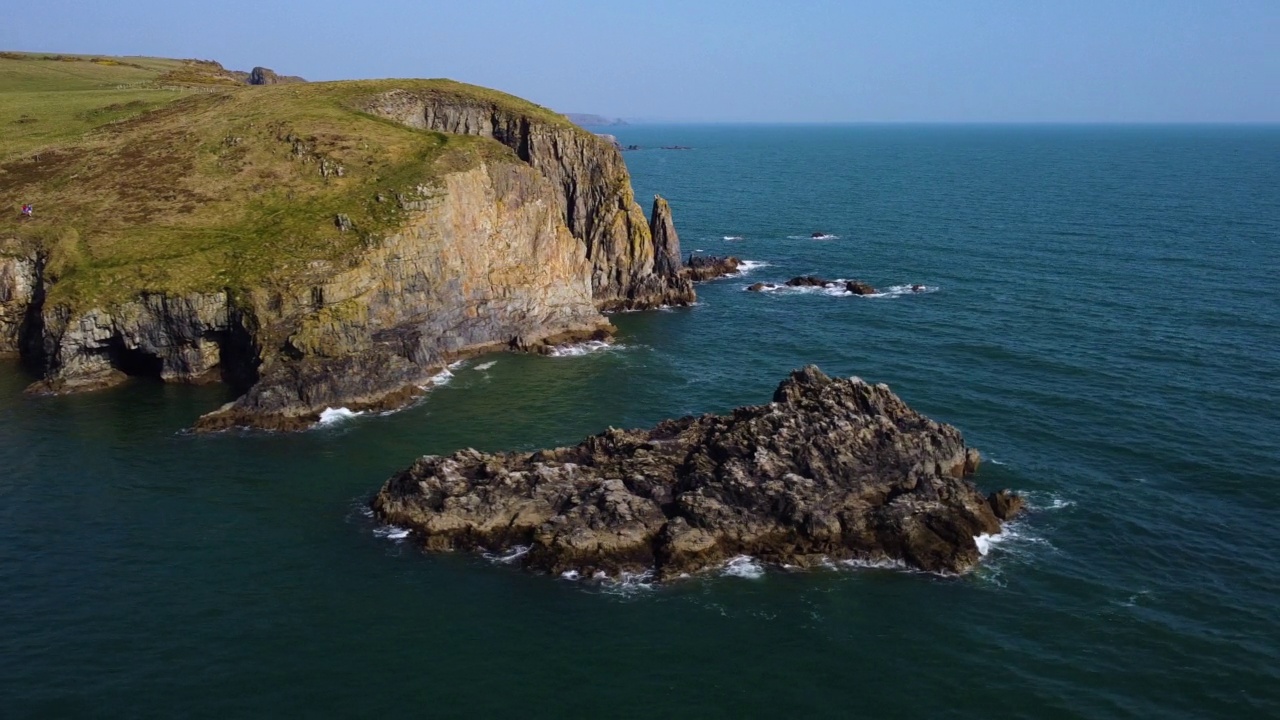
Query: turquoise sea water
[[1103, 321]]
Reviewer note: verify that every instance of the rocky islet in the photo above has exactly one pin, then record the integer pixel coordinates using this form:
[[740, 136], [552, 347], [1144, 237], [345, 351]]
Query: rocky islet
[[831, 470]]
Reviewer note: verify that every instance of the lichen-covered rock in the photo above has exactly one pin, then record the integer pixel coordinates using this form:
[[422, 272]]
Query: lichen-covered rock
[[831, 469]]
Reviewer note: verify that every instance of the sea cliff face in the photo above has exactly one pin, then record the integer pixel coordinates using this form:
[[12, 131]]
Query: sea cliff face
[[523, 249], [19, 280], [593, 191]]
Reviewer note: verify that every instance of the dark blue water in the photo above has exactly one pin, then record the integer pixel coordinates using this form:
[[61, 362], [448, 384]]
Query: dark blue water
[[1102, 320]]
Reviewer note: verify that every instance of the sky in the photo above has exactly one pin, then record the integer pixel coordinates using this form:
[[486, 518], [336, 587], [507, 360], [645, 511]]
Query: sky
[[735, 60]]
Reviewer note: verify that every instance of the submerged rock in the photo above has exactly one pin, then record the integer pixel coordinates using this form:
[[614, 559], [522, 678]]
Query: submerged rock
[[832, 469], [809, 281]]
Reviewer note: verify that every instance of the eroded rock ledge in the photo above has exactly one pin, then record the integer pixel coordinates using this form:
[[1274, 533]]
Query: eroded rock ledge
[[831, 469]]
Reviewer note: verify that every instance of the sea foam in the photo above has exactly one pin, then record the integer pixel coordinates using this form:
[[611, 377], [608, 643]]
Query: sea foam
[[333, 416], [580, 349], [743, 566], [747, 266]]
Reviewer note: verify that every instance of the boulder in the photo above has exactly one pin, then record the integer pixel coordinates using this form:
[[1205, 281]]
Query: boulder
[[832, 469], [857, 287], [761, 287]]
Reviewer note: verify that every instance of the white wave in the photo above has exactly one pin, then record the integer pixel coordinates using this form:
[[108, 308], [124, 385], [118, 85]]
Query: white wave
[[1046, 501], [391, 532], [331, 416], [986, 541], [894, 291], [580, 349], [443, 377], [876, 564], [485, 366], [570, 575], [511, 555], [748, 266], [743, 566], [627, 583], [733, 237], [1013, 540]]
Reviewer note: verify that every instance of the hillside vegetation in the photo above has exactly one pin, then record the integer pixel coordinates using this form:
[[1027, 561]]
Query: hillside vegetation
[[173, 176]]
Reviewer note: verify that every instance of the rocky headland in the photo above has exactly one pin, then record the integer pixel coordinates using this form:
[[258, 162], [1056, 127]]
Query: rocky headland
[[830, 470], [319, 245]]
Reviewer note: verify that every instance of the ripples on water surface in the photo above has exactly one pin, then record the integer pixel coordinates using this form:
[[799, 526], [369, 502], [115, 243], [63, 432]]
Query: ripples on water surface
[[1104, 327]]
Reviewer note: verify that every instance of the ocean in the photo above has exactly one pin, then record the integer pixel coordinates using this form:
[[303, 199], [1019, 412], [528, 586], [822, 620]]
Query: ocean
[[1101, 317]]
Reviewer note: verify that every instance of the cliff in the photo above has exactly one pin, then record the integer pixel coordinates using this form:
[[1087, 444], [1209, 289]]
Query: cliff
[[319, 244], [831, 470], [593, 188]]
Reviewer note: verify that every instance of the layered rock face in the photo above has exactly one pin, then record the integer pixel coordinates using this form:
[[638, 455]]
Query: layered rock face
[[832, 469], [593, 188], [482, 262], [487, 264], [19, 283]]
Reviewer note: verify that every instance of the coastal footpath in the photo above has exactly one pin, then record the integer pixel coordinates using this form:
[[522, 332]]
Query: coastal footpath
[[312, 245], [832, 470]]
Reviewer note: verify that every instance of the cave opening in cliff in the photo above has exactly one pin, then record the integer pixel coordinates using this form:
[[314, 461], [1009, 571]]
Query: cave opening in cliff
[[134, 363]]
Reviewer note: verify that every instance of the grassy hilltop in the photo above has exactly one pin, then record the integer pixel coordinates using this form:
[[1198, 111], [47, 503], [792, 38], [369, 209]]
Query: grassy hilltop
[[172, 175]]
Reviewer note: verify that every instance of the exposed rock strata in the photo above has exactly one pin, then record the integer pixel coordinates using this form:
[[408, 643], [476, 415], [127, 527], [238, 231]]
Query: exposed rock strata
[[831, 469], [593, 187], [19, 284]]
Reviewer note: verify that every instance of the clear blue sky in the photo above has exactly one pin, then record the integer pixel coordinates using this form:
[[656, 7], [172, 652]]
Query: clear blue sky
[[735, 60]]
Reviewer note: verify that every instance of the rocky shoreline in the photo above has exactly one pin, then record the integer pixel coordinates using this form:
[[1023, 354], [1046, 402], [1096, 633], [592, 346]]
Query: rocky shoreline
[[830, 470]]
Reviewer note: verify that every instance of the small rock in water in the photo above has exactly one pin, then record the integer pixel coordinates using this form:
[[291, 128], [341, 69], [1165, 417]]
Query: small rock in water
[[709, 267], [808, 281], [857, 287]]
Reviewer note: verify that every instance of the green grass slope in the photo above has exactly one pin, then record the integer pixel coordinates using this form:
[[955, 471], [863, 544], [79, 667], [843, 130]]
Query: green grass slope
[[170, 176]]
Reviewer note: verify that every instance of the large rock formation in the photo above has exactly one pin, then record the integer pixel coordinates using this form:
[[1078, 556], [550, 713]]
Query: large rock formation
[[485, 265], [832, 469], [592, 183], [502, 247]]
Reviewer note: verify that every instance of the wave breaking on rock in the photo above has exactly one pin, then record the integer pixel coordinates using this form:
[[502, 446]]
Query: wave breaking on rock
[[831, 470]]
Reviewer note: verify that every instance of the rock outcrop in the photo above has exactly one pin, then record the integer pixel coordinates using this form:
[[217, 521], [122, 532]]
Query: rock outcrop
[[853, 287], [19, 284], [831, 470], [267, 76], [701, 268], [593, 188]]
